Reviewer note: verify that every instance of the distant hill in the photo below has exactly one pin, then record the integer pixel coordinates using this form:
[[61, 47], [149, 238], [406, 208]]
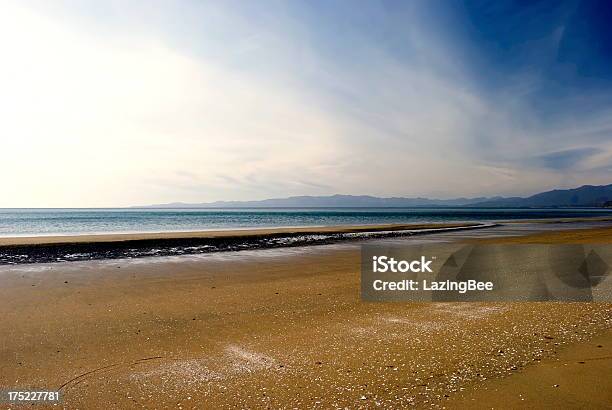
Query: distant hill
[[332, 201], [585, 196]]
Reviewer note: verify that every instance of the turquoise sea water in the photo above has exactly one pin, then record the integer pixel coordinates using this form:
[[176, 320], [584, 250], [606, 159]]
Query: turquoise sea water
[[16, 222]]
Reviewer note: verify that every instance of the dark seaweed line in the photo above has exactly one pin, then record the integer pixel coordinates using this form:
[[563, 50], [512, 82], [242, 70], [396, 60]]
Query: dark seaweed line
[[65, 252]]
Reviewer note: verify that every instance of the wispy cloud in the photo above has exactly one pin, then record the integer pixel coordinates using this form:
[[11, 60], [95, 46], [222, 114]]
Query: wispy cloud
[[567, 159]]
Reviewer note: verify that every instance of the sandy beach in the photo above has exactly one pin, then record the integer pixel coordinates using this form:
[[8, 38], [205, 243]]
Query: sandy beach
[[285, 328], [306, 205]]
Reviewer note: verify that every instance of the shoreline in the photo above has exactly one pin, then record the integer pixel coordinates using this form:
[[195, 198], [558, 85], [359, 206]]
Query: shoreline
[[82, 248], [44, 239], [69, 248], [219, 233]]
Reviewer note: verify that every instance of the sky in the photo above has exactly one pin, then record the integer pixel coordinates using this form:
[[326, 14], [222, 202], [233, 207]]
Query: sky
[[114, 103]]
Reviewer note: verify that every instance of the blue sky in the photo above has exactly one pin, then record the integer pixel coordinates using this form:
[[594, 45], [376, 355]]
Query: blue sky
[[115, 103]]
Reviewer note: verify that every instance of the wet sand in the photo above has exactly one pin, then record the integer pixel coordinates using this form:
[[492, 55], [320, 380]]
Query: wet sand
[[282, 328], [578, 236], [47, 249]]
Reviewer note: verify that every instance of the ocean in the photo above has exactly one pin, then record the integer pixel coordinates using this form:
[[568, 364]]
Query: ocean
[[37, 222]]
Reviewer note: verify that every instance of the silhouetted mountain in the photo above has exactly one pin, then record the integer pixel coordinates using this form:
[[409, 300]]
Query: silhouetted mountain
[[585, 196], [343, 201]]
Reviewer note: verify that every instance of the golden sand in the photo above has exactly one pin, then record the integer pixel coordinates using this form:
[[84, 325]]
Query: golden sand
[[282, 331]]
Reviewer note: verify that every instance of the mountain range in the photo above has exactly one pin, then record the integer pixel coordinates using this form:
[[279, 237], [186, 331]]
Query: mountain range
[[584, 196]]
